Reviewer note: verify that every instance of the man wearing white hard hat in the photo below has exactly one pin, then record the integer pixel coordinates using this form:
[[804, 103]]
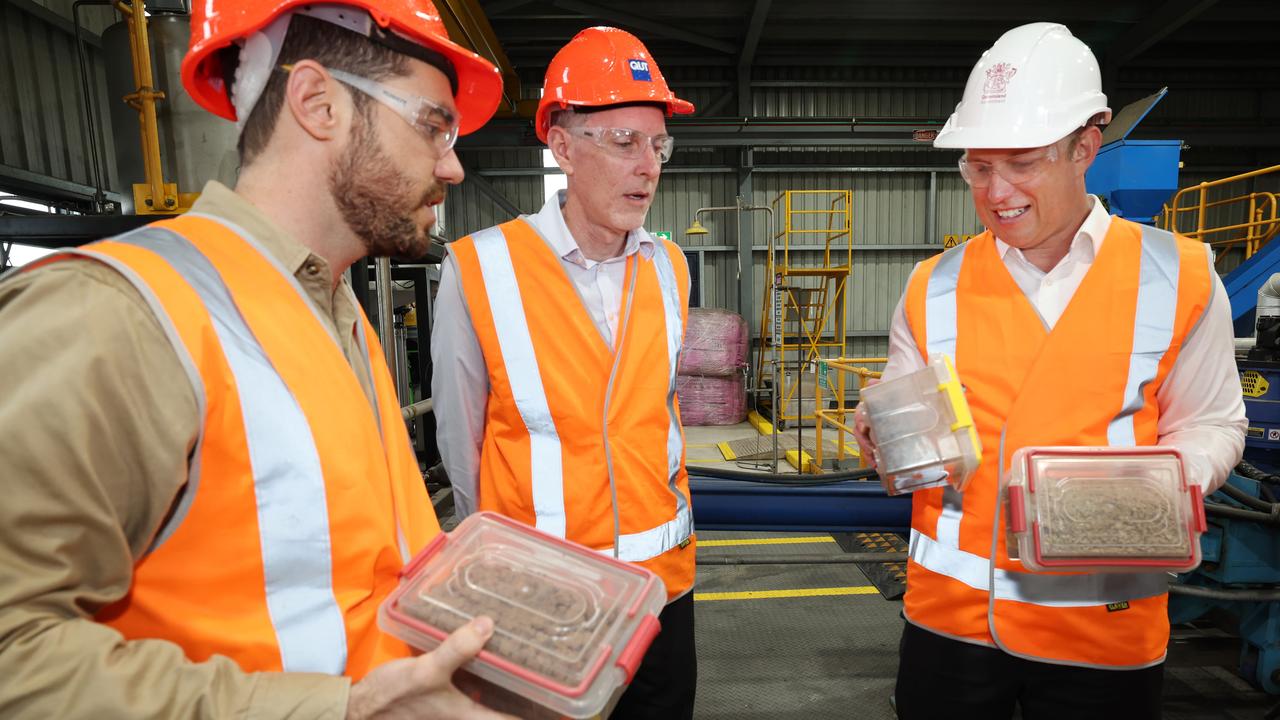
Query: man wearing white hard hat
[[1067, 327]]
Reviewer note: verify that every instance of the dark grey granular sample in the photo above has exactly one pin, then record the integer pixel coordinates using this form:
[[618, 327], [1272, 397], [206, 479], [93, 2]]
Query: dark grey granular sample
[[542, 623]]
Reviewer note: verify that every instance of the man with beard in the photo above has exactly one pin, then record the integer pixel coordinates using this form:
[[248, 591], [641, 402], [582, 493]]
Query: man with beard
[[556, 343], [209, 489]]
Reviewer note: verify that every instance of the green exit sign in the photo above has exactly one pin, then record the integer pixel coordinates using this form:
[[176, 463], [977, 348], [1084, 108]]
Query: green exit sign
[[662, 235]]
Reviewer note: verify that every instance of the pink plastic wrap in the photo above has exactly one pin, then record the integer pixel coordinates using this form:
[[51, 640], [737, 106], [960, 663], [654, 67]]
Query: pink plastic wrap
[[715, 343], [712, 400]]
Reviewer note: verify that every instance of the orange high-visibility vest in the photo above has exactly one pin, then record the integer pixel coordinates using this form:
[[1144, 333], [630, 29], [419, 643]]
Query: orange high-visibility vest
[[547, 446], [1091, 381], [302, 502]]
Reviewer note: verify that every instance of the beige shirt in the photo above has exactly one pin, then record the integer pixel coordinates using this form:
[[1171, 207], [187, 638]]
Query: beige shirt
[[97, 418]]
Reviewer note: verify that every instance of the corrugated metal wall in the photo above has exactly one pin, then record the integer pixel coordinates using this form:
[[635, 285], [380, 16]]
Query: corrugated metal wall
[[679, 196], [43, 119], [891, 210], [468, 209]]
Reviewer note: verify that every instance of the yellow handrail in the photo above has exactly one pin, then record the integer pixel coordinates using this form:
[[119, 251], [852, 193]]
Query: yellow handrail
[[1262, 215], [836, 417]]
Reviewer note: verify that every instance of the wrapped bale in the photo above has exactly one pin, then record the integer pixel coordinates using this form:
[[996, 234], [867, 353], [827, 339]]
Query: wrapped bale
[[712, 400], [715, 343]]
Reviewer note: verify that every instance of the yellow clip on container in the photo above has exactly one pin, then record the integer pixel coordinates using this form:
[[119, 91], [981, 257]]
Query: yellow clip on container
[[923, 430]]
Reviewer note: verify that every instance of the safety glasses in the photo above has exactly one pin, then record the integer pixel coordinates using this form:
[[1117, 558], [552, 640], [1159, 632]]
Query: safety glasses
[[628, 143], [436, 122], [1015, 170]]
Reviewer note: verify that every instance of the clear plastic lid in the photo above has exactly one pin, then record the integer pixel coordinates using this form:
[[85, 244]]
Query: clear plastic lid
[[571, 624], [1104, 509], [924, 432]]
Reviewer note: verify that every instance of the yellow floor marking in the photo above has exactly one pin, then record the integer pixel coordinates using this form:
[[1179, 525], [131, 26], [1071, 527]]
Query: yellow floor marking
[[772, 594], [727, 451], [702, 445], [767, 541]]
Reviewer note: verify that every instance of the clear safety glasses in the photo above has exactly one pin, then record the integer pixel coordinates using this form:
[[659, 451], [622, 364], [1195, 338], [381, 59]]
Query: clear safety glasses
[[1016, 170], [628, 143], [436, 122]]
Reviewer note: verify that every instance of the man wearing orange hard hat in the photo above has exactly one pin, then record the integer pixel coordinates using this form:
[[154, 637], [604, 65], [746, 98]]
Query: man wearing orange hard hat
[[555, 349], [206, 524]]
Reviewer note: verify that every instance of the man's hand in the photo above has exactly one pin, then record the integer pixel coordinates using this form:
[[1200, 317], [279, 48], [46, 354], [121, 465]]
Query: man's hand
[[862, 431], [421, 687]]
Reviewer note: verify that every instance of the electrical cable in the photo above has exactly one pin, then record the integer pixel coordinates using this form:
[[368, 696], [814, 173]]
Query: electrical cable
[[1235, 594], [1248, 500], [1213, 508], [717, 473]]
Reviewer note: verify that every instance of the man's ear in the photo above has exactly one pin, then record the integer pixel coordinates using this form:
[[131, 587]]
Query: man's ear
[[312, 97], [1087, 147], [558, 143]]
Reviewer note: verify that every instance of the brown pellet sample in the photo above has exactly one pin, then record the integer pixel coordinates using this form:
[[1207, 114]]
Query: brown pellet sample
[[542, 623]]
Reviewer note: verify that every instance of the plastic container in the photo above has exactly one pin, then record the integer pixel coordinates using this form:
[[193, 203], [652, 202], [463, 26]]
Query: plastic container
[[923, 430], [571, 624], [1099, 509]]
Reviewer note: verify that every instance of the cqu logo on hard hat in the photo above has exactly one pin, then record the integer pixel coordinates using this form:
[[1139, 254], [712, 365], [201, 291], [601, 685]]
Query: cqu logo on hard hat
[[639, 69], [997, 85]]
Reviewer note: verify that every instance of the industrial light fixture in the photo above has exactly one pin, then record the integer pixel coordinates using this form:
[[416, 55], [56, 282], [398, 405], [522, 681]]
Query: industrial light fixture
[[696, 229]]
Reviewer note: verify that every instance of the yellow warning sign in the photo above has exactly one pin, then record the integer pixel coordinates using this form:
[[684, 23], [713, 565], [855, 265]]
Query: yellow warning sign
[[1253, 384], [950, 241]]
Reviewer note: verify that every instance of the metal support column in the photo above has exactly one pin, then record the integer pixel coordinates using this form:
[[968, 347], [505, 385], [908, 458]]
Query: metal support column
[[746, 261], [931, 210], [386, 310]]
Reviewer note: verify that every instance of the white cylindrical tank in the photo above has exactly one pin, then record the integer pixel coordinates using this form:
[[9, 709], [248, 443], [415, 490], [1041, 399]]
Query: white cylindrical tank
[[195, 146]]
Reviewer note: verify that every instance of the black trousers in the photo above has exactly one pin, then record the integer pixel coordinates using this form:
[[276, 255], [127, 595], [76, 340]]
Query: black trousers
[[664, 686], [943, 678]]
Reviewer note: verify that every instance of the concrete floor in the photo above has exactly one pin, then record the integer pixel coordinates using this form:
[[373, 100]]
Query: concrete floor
[[835, 656]]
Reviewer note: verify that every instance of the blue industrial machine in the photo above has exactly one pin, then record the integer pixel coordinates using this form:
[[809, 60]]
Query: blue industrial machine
[[1241, 569], [1135, 177]]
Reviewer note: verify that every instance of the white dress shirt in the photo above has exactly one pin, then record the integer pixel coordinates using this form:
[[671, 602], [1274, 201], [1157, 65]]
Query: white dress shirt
[[1201, 405], [459, 378]]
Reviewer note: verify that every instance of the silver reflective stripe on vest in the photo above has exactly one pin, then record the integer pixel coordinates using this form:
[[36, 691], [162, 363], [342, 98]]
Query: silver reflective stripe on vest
[[289, 487], [1082, 590], [637, 547], [940, 327], [516, 345], [1152, 327], [650, 543], [940, 332]]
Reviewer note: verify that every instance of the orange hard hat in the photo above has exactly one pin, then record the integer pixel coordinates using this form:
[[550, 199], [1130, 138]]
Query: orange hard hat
[[216, 24], [603, 66]]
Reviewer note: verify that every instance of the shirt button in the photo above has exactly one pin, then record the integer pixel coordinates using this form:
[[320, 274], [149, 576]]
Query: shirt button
[[312, 268]]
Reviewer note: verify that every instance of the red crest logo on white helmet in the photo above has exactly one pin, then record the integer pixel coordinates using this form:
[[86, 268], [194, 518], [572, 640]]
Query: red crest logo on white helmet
[[997, 85]]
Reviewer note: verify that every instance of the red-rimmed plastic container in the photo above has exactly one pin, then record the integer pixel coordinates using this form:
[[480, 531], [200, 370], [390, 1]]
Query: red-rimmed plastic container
[[1104, 509], [571, 624]]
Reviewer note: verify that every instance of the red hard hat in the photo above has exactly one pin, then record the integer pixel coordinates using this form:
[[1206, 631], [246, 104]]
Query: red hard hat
[[603, 66], [216, 24]]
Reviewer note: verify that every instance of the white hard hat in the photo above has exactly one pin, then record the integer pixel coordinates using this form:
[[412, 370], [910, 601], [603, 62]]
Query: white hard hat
[[1035, 86]]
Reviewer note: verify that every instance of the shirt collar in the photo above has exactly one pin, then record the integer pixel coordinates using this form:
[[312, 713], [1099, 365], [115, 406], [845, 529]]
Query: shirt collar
[[561, 240], [1088, 239], [222, 202]]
